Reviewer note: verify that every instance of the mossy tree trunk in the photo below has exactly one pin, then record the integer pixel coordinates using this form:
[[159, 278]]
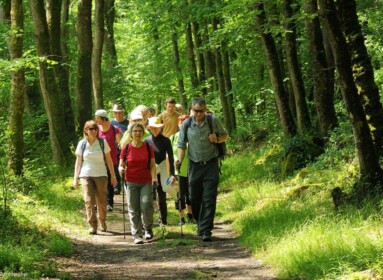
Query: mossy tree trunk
[[110, 15], [368, 160], [15, 152], [362, 69], [98, 94], [191, 56], [281, 96]]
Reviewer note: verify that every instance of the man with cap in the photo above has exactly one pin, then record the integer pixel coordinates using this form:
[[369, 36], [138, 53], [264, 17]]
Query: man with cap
[[112, 135], [122, 123], [203, 168], [162, 151]]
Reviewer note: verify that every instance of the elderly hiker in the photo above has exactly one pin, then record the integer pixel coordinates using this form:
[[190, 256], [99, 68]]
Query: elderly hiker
[[203, 168], [92, 156], [138, 166]]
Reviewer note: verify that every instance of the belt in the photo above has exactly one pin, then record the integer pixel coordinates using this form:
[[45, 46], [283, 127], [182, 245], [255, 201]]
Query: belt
[[203, 162]]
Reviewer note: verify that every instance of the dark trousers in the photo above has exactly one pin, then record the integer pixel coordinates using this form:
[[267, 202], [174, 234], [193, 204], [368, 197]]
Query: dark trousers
[[118, 177], [203, 188], [111, 187], [184, 193], [162, 201]]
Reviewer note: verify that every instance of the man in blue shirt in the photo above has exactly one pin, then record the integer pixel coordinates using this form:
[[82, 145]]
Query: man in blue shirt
[[203, 169]]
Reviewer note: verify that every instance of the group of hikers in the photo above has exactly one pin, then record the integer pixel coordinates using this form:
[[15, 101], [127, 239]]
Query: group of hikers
[[146, 154]]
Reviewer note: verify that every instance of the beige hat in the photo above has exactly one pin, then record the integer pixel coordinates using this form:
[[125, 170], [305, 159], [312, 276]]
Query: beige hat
[[101, 113], [117, 108], [154, 122], [136, 115]]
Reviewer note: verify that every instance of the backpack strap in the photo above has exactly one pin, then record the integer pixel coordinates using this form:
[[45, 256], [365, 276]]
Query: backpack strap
[[186, 127], [150, 155], [83, 146], [101, 141], [127, 150]]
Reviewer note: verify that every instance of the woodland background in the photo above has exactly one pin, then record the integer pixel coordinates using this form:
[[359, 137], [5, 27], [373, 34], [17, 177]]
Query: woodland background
[[291, 73]]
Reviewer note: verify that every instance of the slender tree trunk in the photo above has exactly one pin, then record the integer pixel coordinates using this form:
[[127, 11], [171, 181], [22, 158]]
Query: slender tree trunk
[[228, 85], [362, 70], [199, 56], [287, 121], [53, 101], [191, 57], [97, 55], [180, 79], [61, 69], [110, 15], [368, 160], [298, 89], [209, 61], [5, 16], [84, 69], [323, 96], [15, 152]]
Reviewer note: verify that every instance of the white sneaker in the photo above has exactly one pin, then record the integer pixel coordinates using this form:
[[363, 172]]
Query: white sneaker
[[148, 234], [138, 240]]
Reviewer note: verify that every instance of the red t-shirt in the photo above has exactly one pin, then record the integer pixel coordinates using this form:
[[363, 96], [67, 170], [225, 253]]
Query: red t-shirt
[[110, 137], [138, 170]]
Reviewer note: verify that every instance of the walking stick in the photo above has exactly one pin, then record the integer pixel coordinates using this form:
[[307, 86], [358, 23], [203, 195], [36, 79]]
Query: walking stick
[[123, 202]]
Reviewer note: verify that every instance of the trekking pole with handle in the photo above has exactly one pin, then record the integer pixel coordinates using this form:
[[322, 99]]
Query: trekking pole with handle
[[123, 201], [179, 200]]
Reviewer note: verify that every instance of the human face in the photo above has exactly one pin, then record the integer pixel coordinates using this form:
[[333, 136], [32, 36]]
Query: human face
[[119, 116], [155, 130], [199, 112], [91, 131], [137, 133], [98, 120], [170, 107]]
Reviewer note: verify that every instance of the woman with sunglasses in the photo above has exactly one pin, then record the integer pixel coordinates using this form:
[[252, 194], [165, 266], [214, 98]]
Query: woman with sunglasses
[[92, 157]]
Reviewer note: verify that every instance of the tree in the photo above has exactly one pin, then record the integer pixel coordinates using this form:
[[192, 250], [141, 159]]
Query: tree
[[368, 161], [110, 15], [53, 101], [362, 69], [178, 69], [84, 70], [281, 96], [16, 125], [97, 55]]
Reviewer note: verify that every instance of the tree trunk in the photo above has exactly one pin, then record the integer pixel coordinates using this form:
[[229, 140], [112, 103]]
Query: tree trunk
[[323, 96], [228, 85], [368, 160], [110, 15], [97, 55], [15, 152], [191, 58], [180, 79], [5, 16], [221, 81], [209, 61], [287, 121], [199, 56], [61, 69], [53, 101], [84, 69], [298, 89], [362, 70]]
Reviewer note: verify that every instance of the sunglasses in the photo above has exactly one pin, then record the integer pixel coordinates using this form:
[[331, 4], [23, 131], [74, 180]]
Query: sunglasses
[[137, 131], [92, 128], [198, 111]]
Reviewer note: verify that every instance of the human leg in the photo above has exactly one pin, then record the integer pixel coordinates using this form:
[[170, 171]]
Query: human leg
[[162, 202], [88, 190], [101, 201], [110, 193], [134, 208], [117, 186], [147, 209], [195, 177]]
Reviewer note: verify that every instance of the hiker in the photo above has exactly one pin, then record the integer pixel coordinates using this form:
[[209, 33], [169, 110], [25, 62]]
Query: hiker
[[92, 156], [135, 117], [162, 151], [138, 166], [169, 118], [179, 109], [112, 135], [203, 168], [182, 178], [122, 123], [151, 112]]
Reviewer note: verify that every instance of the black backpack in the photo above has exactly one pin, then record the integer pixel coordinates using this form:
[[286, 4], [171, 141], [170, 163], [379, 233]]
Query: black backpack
[[221, 147]]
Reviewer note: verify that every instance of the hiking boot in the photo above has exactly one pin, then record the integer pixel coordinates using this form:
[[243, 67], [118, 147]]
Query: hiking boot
[[148, 234], [92, 231], [206, 237], [138, 240], [182, 222], [110, 208]]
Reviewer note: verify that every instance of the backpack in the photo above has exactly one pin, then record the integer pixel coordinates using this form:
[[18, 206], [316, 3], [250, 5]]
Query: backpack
[[221, 147], [126, 153]]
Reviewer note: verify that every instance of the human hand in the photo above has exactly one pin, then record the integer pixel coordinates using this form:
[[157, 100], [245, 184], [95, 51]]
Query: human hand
[[75, 183], [121, 170], [177, 165], [213, 138]]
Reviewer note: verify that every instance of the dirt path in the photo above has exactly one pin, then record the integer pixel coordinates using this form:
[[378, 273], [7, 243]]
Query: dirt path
[[110, 256]]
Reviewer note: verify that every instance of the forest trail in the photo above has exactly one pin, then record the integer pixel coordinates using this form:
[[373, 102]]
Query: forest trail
[[109, 256]]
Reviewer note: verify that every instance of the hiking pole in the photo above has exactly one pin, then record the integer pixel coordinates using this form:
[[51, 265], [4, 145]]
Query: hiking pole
[[123, 201], [179, 209]]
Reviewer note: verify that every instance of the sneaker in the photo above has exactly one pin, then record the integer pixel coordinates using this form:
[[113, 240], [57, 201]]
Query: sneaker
[[148, 234], [117, 191], [182, 222], [110, 208], [138, 240], [92, 231]]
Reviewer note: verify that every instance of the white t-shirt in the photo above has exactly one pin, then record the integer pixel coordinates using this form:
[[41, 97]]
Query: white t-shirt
[[93, 164]]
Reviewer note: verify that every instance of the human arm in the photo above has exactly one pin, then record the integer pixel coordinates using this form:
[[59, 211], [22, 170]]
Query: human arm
[[77, 168], [109, 163], [181, 155]]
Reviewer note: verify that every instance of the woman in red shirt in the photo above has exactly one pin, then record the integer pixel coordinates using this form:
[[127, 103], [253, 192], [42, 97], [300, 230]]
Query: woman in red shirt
[[139, 167]]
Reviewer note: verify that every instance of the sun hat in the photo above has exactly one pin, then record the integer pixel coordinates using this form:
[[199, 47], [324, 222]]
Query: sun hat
[[101, 113], [154, 122], [136, 115], [117, 108]]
